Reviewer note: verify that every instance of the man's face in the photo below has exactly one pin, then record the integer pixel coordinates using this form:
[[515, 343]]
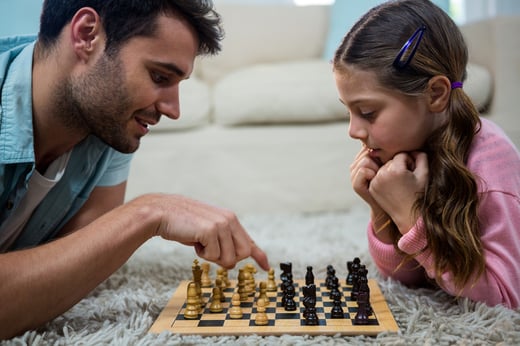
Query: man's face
[[120, 96]]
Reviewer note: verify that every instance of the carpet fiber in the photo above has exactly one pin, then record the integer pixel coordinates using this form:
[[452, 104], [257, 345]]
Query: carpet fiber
[[122, 309]]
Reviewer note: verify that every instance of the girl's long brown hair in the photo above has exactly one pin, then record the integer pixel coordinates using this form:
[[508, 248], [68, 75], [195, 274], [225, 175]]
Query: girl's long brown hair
[[449, 204]]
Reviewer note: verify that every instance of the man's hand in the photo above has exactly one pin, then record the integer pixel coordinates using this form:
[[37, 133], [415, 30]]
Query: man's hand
[[215, 233]]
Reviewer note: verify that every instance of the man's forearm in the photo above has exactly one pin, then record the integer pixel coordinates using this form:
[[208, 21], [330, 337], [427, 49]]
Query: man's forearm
[[41, 283]]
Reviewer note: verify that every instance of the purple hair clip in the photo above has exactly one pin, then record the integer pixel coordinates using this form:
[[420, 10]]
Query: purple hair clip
[[456, 85]]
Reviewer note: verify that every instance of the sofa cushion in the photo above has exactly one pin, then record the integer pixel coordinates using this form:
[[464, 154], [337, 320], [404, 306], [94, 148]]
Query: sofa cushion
[[295, 92], [302, 92], [266, 33], [195, 106]]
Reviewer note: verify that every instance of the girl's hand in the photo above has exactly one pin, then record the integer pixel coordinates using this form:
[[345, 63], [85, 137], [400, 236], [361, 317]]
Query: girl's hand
[[362, 171], [397, 184]]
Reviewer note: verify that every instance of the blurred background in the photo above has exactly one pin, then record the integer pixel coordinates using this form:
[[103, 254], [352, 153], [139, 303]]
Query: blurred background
[[22, 16]]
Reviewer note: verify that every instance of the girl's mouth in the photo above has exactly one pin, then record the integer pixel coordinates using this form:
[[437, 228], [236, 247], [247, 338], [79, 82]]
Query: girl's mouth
[[373, 154]]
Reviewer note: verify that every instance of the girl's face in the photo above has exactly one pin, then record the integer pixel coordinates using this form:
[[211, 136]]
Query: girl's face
[[386, 121]]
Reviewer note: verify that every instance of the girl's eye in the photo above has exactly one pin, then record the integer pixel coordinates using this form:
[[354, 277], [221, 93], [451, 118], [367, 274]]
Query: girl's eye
[[368, 115]]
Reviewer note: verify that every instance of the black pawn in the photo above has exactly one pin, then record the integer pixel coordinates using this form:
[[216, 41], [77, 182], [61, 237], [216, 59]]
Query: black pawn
[[290, 304], [331, 278], [330, 274], [337, 310], [309, 276], [355, 280], [335, 294]]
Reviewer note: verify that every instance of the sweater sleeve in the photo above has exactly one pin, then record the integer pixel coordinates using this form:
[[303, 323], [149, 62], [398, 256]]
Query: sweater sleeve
[[391, 263], [499, 214]]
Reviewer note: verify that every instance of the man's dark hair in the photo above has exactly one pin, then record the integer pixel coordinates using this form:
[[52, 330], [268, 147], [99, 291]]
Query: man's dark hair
[[124, 19]]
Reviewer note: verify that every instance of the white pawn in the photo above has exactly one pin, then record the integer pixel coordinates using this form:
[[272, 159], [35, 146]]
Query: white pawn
[[263, 293], [271, 282], [205, 280], [216, 304], [261, 317], [235, 311]]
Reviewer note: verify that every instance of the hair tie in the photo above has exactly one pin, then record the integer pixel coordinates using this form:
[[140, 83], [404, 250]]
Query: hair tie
[[456, 85]]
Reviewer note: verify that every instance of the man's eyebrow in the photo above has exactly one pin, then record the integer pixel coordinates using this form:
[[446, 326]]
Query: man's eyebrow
[[172, 68]]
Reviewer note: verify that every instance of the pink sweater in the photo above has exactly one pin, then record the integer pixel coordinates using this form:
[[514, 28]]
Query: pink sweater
[[496, 161]]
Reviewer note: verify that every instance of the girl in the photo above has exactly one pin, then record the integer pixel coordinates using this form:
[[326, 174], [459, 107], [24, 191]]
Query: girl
[[442, 184]]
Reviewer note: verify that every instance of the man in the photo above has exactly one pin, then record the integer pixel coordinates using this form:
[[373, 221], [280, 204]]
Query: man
[[72, 103]]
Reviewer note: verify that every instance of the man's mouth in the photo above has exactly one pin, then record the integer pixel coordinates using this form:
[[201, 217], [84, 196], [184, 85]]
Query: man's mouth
[[142, 123]]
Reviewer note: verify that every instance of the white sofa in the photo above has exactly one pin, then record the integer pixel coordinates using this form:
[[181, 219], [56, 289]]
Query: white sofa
[[262, 129]]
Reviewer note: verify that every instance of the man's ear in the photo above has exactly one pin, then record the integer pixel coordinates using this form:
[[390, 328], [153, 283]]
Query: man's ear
[[439, 90], [86, 33]]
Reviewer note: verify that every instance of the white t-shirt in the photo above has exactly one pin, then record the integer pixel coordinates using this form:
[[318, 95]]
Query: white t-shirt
[[39, 186]]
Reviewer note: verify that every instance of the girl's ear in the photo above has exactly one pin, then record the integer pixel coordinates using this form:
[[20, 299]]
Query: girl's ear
[[439, 90]]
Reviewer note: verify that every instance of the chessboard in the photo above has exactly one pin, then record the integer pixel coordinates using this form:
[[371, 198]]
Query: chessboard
[[279, 321]]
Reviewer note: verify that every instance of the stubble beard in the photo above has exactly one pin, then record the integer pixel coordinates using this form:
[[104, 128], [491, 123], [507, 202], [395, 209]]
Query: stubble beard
[[98, 104]]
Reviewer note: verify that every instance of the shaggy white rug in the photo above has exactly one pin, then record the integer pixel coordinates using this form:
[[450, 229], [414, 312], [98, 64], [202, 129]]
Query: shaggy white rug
[[122, 309]]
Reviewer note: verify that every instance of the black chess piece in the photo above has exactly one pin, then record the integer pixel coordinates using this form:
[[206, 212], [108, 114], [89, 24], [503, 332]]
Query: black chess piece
[[309, 302], [286, 282], [331, 276], [290, 304], [309, 276], [355, 280], [349, 268], [363, 287], [362, 313], [335, 294], [337, 310], [286, 268]]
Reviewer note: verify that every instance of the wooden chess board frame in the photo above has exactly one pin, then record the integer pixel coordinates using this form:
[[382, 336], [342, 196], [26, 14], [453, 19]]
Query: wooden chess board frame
[[280, 321]]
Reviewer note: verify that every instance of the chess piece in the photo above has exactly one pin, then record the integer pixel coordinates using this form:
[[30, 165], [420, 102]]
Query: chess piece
[[290, 304], [197, 273], [309, 276], [357, 261], [271, 283], [192, 309], [221, 286], [355, 280], [225, 277], [335, 294], [363, 287], [337, 310], [309, 302], [249, 281], [205, 280], [263, 293], [261, 316], [235, 311], [286, 281], [330, 274], [252, 270], [216, 304], [242, 285], [286, 268], [361, 317]]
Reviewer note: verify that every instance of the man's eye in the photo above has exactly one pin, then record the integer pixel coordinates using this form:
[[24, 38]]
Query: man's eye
[[159, 78]]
